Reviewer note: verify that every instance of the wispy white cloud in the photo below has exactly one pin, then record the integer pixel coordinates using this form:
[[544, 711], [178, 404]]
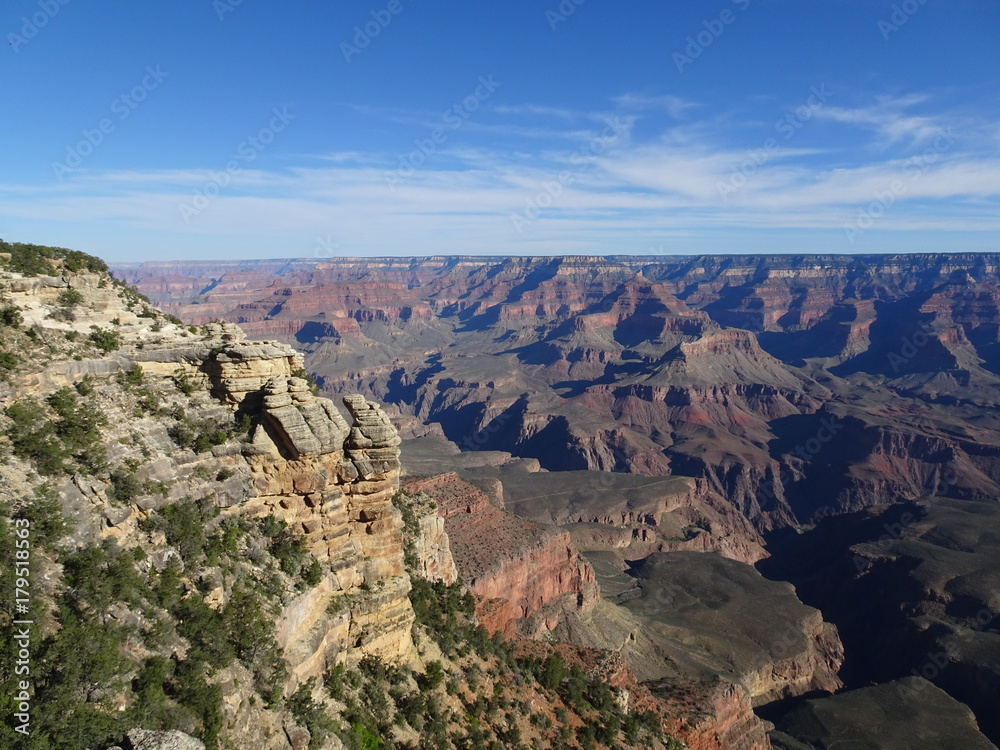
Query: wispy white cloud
[[674, 106], [889, 117], [580, 198]]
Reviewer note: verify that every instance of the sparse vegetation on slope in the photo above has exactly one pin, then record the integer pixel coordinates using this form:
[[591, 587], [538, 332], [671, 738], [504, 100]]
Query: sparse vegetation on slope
[[158, 593]]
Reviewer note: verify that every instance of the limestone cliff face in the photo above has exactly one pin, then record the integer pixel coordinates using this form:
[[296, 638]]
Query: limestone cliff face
[[431, 544], [330, 481], [334, 483], [730, 724]]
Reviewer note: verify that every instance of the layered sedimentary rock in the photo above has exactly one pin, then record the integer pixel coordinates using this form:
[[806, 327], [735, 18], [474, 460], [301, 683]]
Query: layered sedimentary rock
[[433, 559], [695, 366], [533, 571], [335, 484]]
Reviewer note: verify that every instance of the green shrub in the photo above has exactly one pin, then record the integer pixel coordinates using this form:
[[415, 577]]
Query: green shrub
[[184, 528], [35, 438], [202, 699], [198, 436], [105, 339], [206, 630], [184, 382], [250, 628], [8, 361], [130, 378], [553, 671], [310, 714], [125, 487], [32, 260], [10, 316], [70, 297], [44, 512]]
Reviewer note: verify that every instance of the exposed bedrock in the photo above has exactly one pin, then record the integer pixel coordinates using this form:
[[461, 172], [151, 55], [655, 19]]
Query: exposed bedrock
[[534, 570], [652, 365]]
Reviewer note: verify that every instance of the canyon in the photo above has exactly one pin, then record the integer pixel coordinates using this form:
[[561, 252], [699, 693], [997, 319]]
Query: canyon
[[766, 376], [664, 416], [753, 496], [248, 500]]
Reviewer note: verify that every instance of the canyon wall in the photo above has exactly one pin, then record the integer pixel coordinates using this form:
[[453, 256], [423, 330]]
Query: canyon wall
[[530, 572], [766, 376]]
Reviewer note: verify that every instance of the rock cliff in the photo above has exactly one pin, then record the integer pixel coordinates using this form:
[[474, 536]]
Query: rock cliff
[[532, 573]]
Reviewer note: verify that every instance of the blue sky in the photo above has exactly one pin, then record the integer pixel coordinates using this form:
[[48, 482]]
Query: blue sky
[[258, 128]]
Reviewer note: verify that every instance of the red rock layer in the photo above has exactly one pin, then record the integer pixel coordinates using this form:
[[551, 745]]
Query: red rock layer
[[524, 565]]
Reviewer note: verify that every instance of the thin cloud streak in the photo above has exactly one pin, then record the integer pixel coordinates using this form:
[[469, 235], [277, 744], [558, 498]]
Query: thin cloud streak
[[465, 194]]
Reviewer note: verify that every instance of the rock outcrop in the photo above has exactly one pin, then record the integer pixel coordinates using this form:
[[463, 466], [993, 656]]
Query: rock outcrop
[[334, 483], [532, 572], [913, 589], [144, 739]]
